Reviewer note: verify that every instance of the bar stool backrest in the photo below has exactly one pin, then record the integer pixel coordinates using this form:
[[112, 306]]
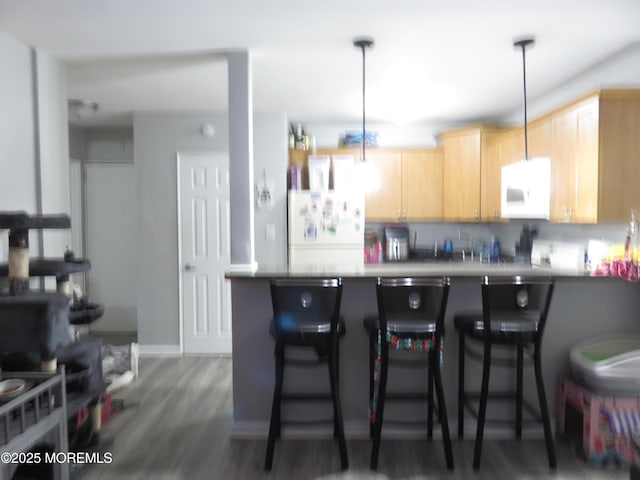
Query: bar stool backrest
[[516, 298], [308, 299], [412, 299]]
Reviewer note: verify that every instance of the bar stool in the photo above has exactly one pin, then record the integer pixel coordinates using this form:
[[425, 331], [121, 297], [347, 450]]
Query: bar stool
[[410, 317], [514, 313], [306, 313]]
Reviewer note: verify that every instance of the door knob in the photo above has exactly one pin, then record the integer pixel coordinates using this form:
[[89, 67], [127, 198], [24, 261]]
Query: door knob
[[189, 267]]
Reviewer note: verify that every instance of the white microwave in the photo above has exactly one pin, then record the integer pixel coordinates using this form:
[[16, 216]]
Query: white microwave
[[526, 189]]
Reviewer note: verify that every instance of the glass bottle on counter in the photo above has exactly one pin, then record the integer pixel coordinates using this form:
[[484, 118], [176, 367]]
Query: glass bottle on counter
[[494, 254]]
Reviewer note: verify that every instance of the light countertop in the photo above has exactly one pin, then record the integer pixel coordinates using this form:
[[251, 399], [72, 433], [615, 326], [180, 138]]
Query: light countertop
[[391, 269]]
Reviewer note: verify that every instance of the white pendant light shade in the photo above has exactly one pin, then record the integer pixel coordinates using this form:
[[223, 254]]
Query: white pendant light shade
[[367, 176]]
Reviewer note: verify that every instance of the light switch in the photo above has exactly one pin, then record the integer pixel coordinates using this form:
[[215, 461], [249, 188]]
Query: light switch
[[270, 231]]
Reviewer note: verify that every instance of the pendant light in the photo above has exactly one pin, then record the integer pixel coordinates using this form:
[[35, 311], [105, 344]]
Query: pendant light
[[367, 173], [526, 185]]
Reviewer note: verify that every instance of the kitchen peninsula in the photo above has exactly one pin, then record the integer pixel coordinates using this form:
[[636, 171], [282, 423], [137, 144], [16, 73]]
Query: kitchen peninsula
[[583, 307]]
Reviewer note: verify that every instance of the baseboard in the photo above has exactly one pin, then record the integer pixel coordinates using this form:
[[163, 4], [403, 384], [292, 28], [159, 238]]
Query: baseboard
[[160, 351], [123, 333], [359, 430], [109, 336], [259, 429], [209, 355], [501, 432]]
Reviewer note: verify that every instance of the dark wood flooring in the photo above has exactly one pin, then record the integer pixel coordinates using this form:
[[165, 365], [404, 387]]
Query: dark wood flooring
[[176, 423]]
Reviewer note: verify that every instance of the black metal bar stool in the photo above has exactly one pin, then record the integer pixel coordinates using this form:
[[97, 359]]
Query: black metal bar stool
[[410, 317], [514, 313], [306, 313]]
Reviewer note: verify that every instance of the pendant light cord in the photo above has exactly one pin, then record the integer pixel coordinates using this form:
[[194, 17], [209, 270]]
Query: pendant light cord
[[524, 83], [523, 43], [363, 102], [363, 43]]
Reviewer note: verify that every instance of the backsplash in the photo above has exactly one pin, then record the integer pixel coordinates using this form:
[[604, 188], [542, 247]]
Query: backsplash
[[426, 234]]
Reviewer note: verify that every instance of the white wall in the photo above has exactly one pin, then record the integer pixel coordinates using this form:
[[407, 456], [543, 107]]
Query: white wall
[[111, 214], [158, 137], [54, 149], [111, 244], [32, 121], [17, 148], [109, 144], [270, 162]]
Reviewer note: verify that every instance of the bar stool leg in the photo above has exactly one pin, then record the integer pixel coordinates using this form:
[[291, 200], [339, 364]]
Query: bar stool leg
[[431, 366], [274, 423], [337, 410], [334, 381], [382, 390], [482, 409], [544, 410], [461, 347], [519, 374], [372, 360], [442, 409]]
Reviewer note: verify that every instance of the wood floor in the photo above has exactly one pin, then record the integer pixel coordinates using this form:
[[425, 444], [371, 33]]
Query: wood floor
[[176, 427]]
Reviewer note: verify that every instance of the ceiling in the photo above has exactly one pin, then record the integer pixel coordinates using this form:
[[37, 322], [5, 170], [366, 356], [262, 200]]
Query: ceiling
[[433, 62]]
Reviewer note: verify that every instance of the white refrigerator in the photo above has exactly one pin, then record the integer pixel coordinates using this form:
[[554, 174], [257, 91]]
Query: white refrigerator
[[326, 229]]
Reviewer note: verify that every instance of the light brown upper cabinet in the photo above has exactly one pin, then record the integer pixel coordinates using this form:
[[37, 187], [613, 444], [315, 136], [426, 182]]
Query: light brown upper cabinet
[[574, 163], [411, 185], [538, 138], [619, 154], [593, 144], [502, 149], [386, 202], [463, 151], [422, 184]]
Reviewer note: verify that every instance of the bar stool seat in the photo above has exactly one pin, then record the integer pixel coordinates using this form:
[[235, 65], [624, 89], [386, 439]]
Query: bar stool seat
[[514, 314], [306, 313], [505, 327], [410, 317], [401, 324]]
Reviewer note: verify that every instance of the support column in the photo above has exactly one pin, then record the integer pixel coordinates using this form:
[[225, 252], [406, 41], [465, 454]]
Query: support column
[[241, 161]]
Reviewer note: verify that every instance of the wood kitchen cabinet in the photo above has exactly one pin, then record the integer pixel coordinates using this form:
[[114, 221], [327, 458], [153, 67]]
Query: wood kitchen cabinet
[[411, 185], [463, 151], [593, 144], [422, 184], [502, 149], [386, 202], [619, 154], [538, 138], [574, 163], [411, 181]]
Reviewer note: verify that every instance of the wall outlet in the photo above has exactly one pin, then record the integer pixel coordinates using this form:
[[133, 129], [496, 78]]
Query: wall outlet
[[270, 231]]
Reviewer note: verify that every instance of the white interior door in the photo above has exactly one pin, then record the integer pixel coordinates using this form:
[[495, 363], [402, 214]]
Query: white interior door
[[203, 196]]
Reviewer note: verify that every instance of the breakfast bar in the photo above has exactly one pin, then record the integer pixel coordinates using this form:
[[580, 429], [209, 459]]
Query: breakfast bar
[[583, 307]]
